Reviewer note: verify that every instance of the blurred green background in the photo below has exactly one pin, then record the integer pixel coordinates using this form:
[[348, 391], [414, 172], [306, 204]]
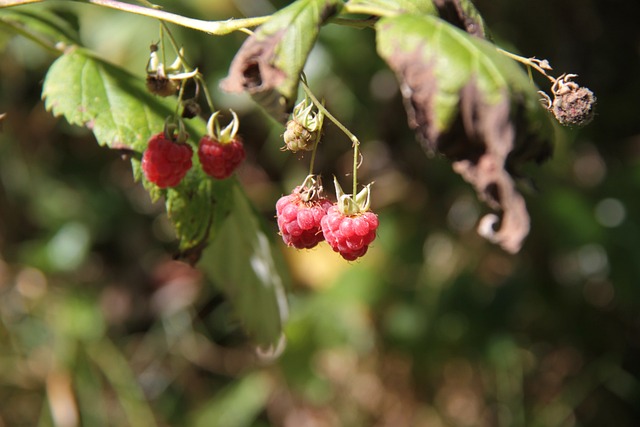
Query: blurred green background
[[434, 327]]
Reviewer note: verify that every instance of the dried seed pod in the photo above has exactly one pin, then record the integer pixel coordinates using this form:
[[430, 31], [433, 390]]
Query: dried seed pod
[[572, 105], [574, 108]]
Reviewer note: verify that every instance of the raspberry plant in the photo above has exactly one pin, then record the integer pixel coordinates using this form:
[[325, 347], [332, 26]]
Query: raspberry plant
[[466, 99]]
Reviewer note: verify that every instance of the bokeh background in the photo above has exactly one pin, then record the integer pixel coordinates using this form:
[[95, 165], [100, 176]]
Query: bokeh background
[[99, 326]]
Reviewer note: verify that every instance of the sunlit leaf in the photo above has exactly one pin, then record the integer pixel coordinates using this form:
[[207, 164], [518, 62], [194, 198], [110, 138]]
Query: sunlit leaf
[[90, 92], [115, 105]]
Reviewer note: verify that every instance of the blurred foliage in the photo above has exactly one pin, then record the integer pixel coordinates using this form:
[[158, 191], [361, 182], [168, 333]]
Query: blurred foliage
[[435, 327]]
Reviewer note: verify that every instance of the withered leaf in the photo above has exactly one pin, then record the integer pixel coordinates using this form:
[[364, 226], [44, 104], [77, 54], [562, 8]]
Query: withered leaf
[[475, 106], [269, 63]]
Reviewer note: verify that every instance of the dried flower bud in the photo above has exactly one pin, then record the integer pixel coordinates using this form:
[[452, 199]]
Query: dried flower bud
[[161, 85], [190, 109], [299, 138]]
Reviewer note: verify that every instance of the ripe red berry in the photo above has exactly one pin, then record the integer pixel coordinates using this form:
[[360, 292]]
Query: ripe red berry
[[299, 220], [350, 235], [165, 162], [219, 159]]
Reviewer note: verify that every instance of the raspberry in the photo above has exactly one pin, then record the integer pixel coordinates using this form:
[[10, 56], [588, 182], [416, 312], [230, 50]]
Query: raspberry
[[350, 235], [299, 220], [166, 162], [219, 159]]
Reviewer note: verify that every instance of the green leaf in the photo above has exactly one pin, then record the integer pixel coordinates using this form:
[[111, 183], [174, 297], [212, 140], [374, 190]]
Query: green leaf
[[269, 63], [415, 7], [238, 405], [241, 262], [114, 104], [90, 92], [43, 23], [474, 105], [122, 114]]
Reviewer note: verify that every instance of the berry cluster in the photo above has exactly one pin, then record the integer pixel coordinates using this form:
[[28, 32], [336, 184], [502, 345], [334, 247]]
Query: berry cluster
[[167, 158], [305, 218]]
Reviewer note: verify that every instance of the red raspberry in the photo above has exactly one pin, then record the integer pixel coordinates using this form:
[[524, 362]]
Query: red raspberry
[[166, 162], [299, 221], [350, 235], [219, 159]]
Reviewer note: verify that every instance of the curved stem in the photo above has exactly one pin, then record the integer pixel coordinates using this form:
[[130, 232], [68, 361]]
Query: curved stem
[[313, 153], [211, 27], [355, 143], [326, 112], [528, 62]]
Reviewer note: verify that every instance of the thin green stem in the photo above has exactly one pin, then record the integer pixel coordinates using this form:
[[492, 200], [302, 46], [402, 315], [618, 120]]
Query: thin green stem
[[188, 68], [356, 160], [217, 28], [313, 153], [326, 112], [528, 62], [355, 143]]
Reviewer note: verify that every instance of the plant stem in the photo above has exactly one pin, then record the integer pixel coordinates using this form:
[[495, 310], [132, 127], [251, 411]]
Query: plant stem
[[526, 61], [355, 143], [356, 158], [313, 153], [217, 28]]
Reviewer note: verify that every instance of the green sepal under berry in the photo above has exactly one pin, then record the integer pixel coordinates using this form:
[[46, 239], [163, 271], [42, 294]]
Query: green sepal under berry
[[350, 205]]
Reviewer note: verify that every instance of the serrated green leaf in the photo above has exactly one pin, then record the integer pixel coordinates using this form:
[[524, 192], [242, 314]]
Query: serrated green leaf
[[269, 63], [241, 262], [114, 104], [122, 114], [415, 7]]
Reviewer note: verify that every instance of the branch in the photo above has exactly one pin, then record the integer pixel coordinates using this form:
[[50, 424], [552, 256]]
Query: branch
[[211, 27]]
